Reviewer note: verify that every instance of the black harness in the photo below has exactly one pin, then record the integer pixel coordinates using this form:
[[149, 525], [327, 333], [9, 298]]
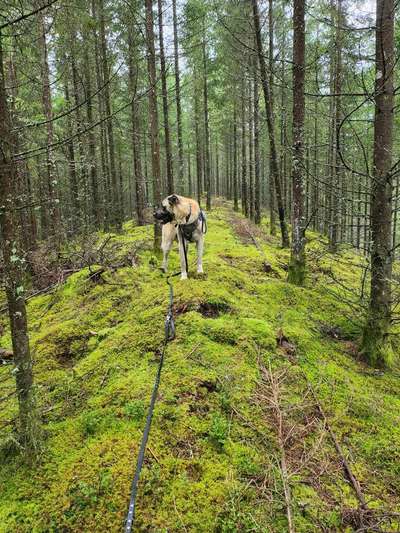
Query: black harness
[[187, 230]]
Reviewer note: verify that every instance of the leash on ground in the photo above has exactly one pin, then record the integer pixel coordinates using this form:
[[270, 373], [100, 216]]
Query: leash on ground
[[168, 336]]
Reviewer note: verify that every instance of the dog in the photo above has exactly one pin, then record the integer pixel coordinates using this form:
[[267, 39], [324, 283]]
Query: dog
[[181, 217]]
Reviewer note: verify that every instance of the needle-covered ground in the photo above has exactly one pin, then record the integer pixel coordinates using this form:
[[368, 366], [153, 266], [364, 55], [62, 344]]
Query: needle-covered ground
[[235, 422]]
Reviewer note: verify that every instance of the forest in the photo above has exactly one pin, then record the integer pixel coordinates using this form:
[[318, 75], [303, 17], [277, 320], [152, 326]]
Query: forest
[[278, 405]]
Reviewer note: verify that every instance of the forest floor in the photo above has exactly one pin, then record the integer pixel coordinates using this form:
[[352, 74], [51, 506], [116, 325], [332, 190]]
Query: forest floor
[[238, 434]]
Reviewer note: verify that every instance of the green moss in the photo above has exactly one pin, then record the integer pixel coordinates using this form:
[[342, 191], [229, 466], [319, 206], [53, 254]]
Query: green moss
[[212, 462]]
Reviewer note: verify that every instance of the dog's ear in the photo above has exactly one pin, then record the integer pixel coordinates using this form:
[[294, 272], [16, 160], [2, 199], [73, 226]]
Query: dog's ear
[[173, 199]]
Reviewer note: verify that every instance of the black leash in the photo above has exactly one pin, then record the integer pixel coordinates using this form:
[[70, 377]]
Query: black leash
[[169, 336]]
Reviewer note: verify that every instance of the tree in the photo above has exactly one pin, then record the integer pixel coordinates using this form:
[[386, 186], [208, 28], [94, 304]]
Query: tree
[[168, 154], [153, 111], [297, 265], [14, 280], [375, 341], [271, 134]]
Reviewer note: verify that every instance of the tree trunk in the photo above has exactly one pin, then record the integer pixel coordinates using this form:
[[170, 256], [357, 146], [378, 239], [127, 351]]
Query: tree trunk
[[207, 169], [51, 216], [375, 343], [95, 199], [13, 266], [178, 101], [235, 163], [75, 223], [168, 154], [271, 188], [271, 133], [153, 111], [297, 265], [257, 182], [135, 119], [116, 218]]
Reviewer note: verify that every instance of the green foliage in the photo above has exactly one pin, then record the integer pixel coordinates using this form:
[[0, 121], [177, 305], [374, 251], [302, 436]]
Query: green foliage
[[213, 462]]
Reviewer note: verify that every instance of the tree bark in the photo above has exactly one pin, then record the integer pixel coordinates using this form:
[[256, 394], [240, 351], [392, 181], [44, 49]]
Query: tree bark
[[136, 130], [207, 169], [297, 265], [375, 343], [168, 153], [153, 111], [271, 134], [116, 218], [51, 217], [13, 265], [178, 101]]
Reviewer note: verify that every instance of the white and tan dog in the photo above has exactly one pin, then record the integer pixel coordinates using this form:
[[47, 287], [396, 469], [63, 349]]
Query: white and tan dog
[[181, 217]]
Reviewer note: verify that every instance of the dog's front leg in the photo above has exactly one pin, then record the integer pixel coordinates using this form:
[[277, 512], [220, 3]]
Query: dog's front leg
[[182, 256], [199, 247], [168, 236]]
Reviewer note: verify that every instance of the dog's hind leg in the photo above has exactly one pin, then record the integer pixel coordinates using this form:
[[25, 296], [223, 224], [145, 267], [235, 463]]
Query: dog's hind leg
[[199, 247]]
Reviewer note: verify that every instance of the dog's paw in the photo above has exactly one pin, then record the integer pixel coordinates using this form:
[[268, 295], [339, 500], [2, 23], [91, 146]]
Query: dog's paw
[[183, 275], [200, 270]]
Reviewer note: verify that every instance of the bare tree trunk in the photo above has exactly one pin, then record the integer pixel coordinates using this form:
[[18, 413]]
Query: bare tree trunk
[[53, 221], [235, 163], [199, 161], [115, 192], [272, 144], [13, 266], [155, 143], [75, 224], [135, 119], [168, 154], [95, 198], [375, 343], [297, 265], [207, 169], [337, 171], [245, 203], [271, 190], [257, 182], [178, 101]]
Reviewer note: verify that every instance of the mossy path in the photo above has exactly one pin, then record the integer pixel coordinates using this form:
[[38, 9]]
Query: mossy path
[[245, 338]]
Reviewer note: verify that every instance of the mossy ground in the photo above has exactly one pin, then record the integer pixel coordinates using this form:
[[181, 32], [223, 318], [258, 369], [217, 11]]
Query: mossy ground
[[212, 462]]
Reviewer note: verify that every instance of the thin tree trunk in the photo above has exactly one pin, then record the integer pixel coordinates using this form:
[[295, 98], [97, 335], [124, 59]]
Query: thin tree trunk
[[135, 119], [168, 153], [257, 182], [297, 265], [375, 343], [272, 144], [53, 220], [95, 198], [235, 163], [75, 222], [14, 281], [271, 190], [207, 168], [115, 193], [178, 101], [153, 111]]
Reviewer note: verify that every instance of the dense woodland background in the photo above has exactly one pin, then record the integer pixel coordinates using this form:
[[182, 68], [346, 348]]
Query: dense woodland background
[[289, 110]]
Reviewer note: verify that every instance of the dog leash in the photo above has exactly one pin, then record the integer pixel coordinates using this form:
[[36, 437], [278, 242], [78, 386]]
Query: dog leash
[[169, 335]]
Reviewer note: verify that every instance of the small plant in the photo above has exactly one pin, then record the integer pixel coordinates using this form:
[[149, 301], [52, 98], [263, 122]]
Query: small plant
[[135, 410], [218, 433]]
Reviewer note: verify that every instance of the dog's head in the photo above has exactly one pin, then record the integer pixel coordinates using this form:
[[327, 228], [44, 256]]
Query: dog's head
[[165, 213]]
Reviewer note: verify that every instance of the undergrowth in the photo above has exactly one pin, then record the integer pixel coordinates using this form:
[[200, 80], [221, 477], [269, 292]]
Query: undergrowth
[[212, 463]]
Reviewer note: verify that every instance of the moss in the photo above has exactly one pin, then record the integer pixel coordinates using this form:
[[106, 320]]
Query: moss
[[212, 459]]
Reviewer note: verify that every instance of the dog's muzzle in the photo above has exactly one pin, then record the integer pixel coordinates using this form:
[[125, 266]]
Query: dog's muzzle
[[163, 215]]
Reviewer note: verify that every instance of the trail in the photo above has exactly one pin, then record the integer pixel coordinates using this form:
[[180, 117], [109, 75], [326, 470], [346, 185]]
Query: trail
[[244, 337]]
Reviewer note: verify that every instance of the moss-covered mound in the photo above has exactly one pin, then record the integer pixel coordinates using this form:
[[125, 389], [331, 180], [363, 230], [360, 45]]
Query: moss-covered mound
[[234, 408]]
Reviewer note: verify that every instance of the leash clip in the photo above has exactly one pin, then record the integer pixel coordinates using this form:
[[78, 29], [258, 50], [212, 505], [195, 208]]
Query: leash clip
[[169, 327]]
